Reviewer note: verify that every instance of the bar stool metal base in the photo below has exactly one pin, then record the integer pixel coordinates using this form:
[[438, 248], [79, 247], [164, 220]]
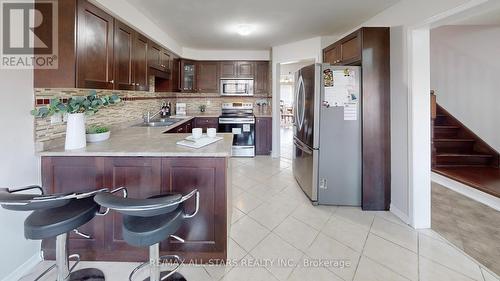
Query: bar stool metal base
[[87, 274], [174, 277]]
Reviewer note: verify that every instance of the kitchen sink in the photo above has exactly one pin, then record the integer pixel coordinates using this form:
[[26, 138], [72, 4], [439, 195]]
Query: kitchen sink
[[160, 123]]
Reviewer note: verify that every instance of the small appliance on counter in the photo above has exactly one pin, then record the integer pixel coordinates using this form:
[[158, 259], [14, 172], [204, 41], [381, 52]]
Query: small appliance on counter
[[180, 109], [327, 159], [238, 118]]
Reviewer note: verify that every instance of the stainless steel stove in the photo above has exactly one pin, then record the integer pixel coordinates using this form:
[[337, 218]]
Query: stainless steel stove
[[238, 118]]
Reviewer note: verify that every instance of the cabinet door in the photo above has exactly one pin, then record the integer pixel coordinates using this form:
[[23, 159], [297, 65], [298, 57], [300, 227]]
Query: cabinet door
[[189, 127], [154, 55], [68, 174], [263, 135], [165, 60], [246, 69], [206, 232], [142, 178], [208, 77], [351, 49], [141, 77], [261, 77], [94, 47], [188, 76], [123, 57], [331, 55], [228, 69]]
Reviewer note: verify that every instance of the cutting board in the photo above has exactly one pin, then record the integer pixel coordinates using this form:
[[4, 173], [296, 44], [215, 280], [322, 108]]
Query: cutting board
[[198, 143]]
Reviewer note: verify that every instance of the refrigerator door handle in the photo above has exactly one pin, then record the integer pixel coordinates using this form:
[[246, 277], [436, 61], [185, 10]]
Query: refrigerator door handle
[[300, 110], [303, 147]]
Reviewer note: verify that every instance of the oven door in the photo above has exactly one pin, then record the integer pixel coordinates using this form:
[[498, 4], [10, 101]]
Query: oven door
[[243, 136]]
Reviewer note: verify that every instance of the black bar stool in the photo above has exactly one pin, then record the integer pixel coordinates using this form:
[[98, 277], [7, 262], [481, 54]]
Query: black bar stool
[[55, 215], [147, 222]]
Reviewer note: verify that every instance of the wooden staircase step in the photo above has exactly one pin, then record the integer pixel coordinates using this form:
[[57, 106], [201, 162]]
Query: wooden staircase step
[[455, 145], [463, 159], [446, 131], [446, 127], [454, 140]]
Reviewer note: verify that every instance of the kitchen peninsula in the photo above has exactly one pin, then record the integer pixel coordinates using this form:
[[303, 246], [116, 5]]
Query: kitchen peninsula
[[147, 162]]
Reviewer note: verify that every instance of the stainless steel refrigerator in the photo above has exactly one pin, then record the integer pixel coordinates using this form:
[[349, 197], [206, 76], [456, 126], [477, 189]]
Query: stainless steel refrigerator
[[327, 156]]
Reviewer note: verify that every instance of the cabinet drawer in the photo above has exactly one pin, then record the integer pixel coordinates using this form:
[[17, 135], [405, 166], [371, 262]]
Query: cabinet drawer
[[206, 122]]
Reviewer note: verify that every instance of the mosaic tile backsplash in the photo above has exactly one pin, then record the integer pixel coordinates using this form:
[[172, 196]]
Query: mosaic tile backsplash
[[134, 104]]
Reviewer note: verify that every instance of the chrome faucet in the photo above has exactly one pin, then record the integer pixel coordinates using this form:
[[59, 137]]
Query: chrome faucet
[[147, 117]]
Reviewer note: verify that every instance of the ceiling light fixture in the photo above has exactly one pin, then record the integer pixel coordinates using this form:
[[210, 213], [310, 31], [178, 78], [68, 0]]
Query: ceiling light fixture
[[244, 29]]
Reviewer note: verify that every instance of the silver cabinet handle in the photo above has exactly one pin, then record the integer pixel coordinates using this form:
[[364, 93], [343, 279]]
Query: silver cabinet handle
[[112, 81]]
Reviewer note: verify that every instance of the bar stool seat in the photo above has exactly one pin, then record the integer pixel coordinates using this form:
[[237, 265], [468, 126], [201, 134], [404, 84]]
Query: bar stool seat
[[146, 231], [47, 223]]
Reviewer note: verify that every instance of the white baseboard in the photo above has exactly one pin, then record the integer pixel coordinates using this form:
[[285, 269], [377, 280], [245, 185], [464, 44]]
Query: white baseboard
[[465, 190], [400, 214], [23, 269]]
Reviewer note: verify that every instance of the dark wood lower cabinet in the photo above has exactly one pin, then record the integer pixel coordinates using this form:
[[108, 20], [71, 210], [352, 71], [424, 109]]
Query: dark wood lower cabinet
[[205, 234], [263, 135]]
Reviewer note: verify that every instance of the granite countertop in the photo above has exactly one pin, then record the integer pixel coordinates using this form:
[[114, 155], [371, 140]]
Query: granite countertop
[[148, 142]]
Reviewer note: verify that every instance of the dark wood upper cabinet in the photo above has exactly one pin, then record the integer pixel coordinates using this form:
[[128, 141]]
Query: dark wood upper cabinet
[[369, 47], [154, 55], [331, 55], [207, 76], [64, 76], [263, 135], [246, 69], [165, 60], [228, 69], [94, 47], [347, 51], [124, 57], [261, 77], [187, 75], [141, 77], [350, 49]]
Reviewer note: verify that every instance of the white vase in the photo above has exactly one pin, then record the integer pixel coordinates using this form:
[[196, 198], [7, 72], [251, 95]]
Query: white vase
[[75, 131]]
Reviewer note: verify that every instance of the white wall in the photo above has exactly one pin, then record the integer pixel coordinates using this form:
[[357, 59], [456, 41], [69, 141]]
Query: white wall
[[309, 49], [18, 166], [465, 63], [197, 54]]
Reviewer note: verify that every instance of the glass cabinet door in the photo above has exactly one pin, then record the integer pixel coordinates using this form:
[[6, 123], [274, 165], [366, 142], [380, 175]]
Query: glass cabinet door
[[189, 76]]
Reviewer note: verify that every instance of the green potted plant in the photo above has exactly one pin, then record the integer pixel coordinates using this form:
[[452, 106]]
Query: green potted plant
[[97, 133], [76, 108], [202, 108]]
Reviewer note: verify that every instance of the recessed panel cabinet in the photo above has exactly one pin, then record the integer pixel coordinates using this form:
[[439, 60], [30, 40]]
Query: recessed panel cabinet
[[263, 135], [95, 47], [123, 57], [98, 51], [205, 234], [141, 77], [207, 76]]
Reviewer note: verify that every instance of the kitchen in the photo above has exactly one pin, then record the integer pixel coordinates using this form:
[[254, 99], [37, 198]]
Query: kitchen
[[189, 180]]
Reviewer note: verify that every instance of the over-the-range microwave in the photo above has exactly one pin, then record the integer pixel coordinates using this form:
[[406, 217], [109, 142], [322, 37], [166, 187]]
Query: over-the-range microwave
[[236, 87]]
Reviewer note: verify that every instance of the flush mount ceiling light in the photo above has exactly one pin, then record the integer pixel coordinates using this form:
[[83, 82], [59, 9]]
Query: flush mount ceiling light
[[244, 29]]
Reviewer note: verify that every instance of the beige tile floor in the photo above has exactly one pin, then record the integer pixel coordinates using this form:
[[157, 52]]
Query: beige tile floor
[[274, 222]]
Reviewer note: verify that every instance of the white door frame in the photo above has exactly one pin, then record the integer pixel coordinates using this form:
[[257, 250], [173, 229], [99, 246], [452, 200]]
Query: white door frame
[[419, 126]]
